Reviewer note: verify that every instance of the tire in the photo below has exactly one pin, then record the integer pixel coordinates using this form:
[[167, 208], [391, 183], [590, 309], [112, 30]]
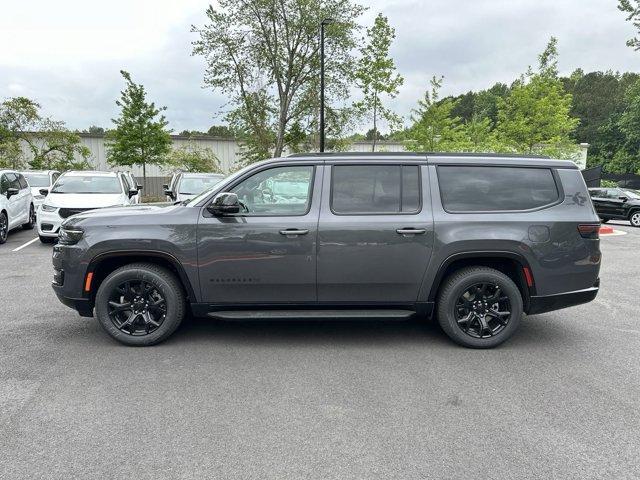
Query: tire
[[46, 239], [4, 227], [459, 297], [32, 219], [604, 220], [634, 218], [116, 304]]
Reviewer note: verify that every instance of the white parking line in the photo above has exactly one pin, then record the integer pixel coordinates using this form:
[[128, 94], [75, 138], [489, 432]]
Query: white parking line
[[24, 245]]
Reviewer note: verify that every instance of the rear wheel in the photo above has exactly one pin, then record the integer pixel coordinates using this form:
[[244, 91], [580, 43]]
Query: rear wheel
[[479, 307], [634, 218], [32, 219], [140, 304], [4, 227]]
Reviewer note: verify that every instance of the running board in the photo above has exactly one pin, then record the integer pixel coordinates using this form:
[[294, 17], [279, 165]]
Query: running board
[[312, 314]]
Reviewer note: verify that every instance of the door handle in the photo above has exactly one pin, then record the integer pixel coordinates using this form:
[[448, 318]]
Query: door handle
[[293, 231], [411, 231]]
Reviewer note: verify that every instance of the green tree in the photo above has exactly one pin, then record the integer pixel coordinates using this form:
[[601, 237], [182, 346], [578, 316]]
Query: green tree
[[632, 9], [140, 136], [193, 158], [264, 54], [376, 76], [535, 116], [221, 131], [627, 129], [50, 144], [434, 128]]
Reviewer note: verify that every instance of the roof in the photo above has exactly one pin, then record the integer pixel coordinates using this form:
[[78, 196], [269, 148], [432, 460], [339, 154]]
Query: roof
[[203, 174], [38, 171], [445, 158], [84, 173]]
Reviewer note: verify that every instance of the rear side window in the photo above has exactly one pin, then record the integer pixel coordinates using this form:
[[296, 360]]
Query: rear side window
[[371, 189], [482, 189]]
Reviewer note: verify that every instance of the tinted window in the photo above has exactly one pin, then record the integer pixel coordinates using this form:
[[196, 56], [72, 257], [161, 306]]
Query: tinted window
[[375, 189], [277, 191], [596, 193], [23, 182], [13, 181], [4, 184], [476, 189], [87, 184]]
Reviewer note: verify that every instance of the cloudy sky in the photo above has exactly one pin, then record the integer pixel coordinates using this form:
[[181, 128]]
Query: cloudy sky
[[67, 54]]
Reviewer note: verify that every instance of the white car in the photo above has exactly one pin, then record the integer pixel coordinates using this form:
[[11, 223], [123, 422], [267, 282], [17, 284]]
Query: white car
[[16, 203], [185, 186], [39, 180], [78, 191], [133, 185]]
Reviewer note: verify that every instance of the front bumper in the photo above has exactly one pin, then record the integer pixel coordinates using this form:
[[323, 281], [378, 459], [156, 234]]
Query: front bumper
[[48, 223], [83, 306], [549, 303], [69, 272]]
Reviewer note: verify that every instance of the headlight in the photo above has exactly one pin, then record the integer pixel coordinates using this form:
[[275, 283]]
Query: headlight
[[69, 235], [48, 208]]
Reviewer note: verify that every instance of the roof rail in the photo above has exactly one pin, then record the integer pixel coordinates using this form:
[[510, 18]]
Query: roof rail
[[417, 154]]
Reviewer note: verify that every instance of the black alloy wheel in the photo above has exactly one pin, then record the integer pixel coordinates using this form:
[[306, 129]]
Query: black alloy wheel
[[140, 304], [137, 307], [479, 307], [4, 227], [482, 311]]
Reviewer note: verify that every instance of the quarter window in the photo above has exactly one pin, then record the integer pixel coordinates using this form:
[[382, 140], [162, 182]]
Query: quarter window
[[375, 189], [278, 191], [477, 189]]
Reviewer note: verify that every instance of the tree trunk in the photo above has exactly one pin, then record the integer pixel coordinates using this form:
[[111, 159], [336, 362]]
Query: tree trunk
[[375, 123], [144, 177]]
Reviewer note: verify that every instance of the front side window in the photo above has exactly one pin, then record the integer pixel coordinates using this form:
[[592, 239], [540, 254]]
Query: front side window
[[633, 194], [87, 184], [23, 182], [484, 189], [375, 189], [13, 181], [277, 191]]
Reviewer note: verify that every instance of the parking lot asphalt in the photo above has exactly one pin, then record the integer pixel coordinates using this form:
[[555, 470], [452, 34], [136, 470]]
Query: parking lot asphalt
[[326, 400]]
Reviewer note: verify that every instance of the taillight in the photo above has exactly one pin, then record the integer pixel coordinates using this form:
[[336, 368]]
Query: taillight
[[589, 230]]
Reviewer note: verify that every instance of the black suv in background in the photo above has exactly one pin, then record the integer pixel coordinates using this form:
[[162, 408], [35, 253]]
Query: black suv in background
[[617, 204], [477, 240]]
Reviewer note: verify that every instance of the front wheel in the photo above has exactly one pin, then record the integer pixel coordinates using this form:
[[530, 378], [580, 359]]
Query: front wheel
[[32, 219], [140, 304], [4, 227], [479, 307], [634, 218]]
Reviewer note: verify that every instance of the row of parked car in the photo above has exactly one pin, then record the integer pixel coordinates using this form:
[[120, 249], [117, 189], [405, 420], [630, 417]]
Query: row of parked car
[[46, 198]]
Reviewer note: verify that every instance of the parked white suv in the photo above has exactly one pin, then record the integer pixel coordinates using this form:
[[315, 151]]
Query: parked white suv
[[16, 203], [78, 191], [133, 185], [185, 186], [39, 180]]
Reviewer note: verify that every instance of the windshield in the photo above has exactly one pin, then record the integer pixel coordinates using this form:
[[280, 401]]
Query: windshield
[[87, 184], [195, 185], [37, 179], [632, 194]]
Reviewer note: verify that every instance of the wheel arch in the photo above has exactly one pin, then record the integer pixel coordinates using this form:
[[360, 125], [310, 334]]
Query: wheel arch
[[510, 263], [105, 263]]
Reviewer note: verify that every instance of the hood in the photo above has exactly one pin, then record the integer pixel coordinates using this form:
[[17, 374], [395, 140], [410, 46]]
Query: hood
[[83, 200], [181, 197], [134, 210]]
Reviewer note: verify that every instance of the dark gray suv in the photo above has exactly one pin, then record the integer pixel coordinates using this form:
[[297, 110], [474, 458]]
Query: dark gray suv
[[477, 240]]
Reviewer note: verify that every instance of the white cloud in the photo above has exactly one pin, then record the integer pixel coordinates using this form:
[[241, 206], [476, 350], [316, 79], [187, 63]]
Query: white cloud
[[67, 54]]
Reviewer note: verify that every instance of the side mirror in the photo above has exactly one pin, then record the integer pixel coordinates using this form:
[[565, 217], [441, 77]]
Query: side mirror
[[139, 187], [12, 191], [44, 191], [169, 194], [133, 193], [624, 199], [224, 204], [165, 186]]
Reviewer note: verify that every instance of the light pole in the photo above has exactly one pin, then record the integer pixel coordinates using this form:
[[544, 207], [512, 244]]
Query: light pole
[[324, 22]]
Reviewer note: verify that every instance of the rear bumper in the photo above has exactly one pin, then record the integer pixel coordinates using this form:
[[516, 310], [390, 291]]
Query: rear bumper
[[548, 303]]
